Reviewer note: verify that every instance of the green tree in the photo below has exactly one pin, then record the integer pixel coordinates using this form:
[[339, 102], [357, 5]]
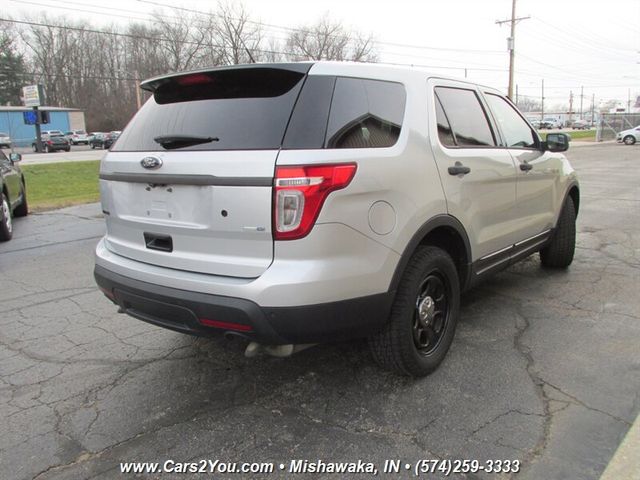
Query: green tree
[[12, 71]]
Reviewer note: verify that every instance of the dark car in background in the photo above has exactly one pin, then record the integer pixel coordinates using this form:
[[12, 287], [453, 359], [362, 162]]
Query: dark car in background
[[53, 143], [103, 140], [13, 194], [111, 138], [96, 139]]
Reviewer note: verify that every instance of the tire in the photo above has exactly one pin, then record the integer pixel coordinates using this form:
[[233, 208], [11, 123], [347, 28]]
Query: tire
[[629, 140], [93, 147], [68, 149], [35, 149], [6, 226], [47, 149], [410, 343], [22, 210], [559, 253]]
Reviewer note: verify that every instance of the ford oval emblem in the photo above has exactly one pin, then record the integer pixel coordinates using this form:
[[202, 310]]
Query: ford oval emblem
[[151, 163]]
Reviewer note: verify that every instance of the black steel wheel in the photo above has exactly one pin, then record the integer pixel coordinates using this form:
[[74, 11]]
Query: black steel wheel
[[423, 317], [431, 313], [6, 227]]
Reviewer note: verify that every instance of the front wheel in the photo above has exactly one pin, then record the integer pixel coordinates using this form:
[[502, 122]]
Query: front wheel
[[629, 140], [423, 316], [6, 227], [23, 209], [559, 253]]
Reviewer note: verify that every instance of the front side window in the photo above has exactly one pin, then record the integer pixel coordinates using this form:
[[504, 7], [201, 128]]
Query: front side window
[[365, 114], [516, 131], [466, 116]]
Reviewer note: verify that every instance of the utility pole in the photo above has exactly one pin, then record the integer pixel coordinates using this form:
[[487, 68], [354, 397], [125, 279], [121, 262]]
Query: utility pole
[[542, 102], [511, 41], [570, 106], [137, 87], [581, 99], [593, 106], [629, 102]]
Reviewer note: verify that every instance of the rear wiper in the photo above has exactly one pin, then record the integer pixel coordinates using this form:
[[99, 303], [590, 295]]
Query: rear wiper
[[180, 141]]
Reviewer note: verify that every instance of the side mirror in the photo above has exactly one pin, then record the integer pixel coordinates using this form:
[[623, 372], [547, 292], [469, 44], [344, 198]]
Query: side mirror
[[15, 157], [556, 142]]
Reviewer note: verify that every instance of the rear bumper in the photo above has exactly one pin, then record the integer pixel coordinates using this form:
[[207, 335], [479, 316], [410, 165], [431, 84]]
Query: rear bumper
[[205, 314]]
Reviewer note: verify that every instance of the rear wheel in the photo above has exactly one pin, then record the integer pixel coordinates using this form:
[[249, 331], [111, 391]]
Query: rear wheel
[[47, 149], [423, 316], [6, 227], [629, 140], [559, 253]]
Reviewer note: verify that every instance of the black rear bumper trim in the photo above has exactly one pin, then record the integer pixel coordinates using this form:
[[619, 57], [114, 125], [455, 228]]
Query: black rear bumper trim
[[180, 310]]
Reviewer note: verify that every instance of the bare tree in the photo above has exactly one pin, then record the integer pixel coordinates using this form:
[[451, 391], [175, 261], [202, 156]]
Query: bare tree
[[239, 37], [181, 41], [529, 104], [329, 40]]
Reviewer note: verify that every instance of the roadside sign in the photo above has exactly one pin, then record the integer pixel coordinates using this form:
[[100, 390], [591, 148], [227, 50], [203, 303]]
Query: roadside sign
[[33, 95]]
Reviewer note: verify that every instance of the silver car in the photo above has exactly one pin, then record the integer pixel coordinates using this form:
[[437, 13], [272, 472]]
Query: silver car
[[5, 140], [291, 204], [629, 137]]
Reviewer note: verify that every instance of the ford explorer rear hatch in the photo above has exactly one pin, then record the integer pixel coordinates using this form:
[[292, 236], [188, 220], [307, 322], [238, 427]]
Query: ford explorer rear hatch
[[188, 185]]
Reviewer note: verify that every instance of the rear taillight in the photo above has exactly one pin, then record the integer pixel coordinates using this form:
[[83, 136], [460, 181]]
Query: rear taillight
[[300, 192]]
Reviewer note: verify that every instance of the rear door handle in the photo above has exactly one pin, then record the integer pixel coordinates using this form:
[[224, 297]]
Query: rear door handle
[[458, 169], [525, 167]]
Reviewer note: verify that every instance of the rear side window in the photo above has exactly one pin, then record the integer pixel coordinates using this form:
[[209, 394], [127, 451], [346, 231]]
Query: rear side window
[[365, 114], [239, 109], [517, 133], [466, 116], [444, 128]]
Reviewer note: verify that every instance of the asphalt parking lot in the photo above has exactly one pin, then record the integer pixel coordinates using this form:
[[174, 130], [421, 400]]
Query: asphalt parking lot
[[545, 367]]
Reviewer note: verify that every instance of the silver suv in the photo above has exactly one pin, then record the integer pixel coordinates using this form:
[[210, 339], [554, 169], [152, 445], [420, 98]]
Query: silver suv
[[292, 204]]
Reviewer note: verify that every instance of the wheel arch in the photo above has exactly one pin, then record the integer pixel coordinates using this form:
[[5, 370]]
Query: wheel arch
[[573, 192], [447, 233]]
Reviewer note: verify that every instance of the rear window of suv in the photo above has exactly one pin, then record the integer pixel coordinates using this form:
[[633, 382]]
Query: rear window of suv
[[243, 109]]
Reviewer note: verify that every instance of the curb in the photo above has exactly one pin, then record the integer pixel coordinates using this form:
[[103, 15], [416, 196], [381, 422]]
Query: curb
[[625, 463]]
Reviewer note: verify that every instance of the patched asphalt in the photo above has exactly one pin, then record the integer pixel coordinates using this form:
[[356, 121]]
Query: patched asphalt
[[545, 366]]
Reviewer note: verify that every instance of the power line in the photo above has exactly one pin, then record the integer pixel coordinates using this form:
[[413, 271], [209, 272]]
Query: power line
[[305, 30]]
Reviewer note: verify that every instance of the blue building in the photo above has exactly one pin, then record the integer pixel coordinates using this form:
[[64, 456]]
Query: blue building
[[12, 122]]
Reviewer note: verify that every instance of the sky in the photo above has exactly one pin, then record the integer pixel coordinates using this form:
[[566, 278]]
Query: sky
[[582, 47]]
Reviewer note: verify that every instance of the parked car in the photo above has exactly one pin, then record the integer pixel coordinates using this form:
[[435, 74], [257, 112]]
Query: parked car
[[48, 133], [370, 199], [550, 123], [111, 138], [13, 194], [96, 139], [580, 125], [5, 140], [77, 137], [53, 143], [629, 137]]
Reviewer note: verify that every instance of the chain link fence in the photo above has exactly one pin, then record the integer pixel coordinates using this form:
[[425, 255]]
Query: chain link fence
[[612, 123]]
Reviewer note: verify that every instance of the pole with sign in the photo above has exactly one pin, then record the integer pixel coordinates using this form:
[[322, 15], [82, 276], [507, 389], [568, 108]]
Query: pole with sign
[[34, 97]]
